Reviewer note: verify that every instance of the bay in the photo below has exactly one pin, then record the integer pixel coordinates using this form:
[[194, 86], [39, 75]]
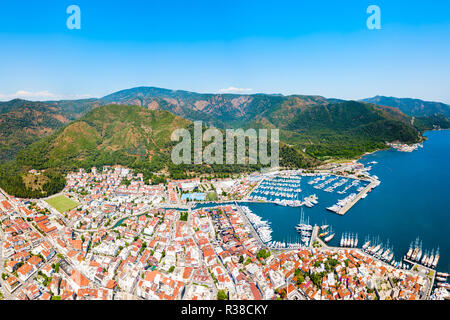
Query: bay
[[413, 200]]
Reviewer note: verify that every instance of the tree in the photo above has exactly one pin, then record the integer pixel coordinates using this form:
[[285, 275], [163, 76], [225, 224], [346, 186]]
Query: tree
[[125, 182], [184, 216], [300, 279], [263, 254], [222, 295]]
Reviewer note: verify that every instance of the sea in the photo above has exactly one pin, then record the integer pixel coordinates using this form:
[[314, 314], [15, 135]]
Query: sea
[[412, 201]]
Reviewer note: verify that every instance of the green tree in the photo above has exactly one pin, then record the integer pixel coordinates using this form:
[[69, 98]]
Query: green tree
[[222, 295]]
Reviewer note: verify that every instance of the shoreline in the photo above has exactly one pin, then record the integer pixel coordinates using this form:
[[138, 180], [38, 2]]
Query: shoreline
[[424, 138]]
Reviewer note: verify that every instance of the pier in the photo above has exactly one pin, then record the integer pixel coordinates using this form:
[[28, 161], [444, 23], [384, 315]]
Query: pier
[[351, 203], [315, 237], [314, 234]]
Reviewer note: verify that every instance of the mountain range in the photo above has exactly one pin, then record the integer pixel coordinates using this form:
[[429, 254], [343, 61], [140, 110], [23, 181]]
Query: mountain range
[[24, 122], [412, 107], [133, 127]]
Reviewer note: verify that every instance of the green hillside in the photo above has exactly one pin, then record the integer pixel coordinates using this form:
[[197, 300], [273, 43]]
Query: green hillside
[[103, 136], [311, 123], [24, 122], [347, 129], [114, 134], [412, 107]]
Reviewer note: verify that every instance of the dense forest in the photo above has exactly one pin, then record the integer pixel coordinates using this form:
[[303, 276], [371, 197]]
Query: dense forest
[[311, 130], [130, 136], [11, 180], [437, 121]]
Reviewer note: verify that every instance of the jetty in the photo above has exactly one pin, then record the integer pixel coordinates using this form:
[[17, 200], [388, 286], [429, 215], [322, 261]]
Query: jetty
[[315, 237], [351, 203]]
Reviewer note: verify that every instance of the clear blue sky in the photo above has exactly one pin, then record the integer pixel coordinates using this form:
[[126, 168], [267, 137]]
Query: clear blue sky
[[303, 47]]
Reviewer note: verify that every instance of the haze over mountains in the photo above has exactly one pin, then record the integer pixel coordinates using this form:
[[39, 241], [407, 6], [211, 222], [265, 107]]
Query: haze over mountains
[[412, 107]]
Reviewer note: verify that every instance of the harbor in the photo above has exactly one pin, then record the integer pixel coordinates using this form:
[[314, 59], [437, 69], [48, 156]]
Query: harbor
[[394, 211], [287, 190], [354, 198], [419, 256]]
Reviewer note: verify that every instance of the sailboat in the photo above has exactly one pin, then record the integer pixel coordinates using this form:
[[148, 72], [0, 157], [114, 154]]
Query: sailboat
[[436, 259], [424, 258], [429, 262], [410, 251], [419, 255], [330, 237], [366, 243]]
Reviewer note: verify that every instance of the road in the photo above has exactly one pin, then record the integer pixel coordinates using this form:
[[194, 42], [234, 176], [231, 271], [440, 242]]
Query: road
[[3, 290], [254, 232], [44, 238]]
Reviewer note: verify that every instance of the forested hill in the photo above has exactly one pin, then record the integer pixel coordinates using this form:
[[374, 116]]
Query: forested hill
[[412, 107], [348, 129], [24, 122], [132, 136]]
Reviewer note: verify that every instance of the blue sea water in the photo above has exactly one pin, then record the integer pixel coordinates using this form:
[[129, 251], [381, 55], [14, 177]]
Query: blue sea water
[[413, 200]]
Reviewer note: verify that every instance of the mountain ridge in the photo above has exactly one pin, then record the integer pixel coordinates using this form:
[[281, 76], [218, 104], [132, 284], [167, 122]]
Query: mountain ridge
[[131, 136], [23, 122], [411, 106]]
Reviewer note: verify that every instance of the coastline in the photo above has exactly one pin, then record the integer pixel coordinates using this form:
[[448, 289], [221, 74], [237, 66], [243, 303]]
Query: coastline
[[423, 139]]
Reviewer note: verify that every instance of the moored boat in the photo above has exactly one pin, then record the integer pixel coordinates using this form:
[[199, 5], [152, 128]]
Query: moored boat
[[327, 239]]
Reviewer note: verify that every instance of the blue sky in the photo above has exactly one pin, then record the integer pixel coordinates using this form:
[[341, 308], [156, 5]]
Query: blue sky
[[302, 47]]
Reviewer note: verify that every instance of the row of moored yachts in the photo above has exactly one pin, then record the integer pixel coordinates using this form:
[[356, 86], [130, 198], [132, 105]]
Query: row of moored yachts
[[304, 229], [382, 252], [425, 258], [262, 227], [349, 240]]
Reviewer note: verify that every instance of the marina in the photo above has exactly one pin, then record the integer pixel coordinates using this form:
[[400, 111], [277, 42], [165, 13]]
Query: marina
[[426, 258], [287, 191], [394, 210], [347, 203]]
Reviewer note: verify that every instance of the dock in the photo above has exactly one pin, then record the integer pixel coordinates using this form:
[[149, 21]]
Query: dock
[[350, 204], [315, 237], [254, 232]]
